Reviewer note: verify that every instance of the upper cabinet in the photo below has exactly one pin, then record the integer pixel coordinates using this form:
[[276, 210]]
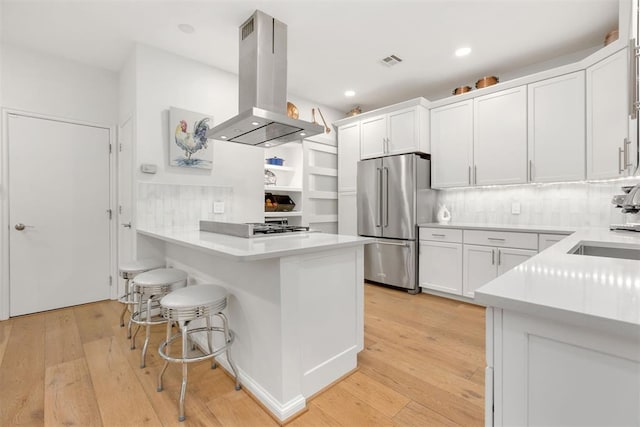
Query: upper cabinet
[[452, 145], [397, 132], [348, 156], [482, 141], [500, 137], [609, 151], [557, 129]]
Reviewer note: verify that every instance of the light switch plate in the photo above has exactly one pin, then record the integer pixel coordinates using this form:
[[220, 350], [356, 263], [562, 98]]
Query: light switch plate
[[515, 208], [218, 207]]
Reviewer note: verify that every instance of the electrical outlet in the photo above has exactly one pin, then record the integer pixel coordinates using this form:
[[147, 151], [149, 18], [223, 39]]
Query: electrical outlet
[[218, 207], [515, 208]]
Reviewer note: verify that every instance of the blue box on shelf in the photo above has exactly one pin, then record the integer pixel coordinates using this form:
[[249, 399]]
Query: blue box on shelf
[[277, 161]]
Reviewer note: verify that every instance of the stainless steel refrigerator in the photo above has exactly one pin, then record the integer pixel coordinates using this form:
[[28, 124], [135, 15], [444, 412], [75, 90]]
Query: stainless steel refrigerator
[[394, 196]]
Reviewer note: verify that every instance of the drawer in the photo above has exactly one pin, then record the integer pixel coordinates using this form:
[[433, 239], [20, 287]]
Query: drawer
[[441, 234], [502, 239], [546, 240]]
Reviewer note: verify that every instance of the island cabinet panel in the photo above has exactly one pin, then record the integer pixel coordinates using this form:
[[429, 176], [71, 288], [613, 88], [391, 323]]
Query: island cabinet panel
[[452, 145], [500, 137], [551, 372], [557, 129]]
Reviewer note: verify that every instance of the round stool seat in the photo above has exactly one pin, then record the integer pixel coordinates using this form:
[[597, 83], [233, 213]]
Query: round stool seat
[[193, 302], [160, 276], [128, 270]]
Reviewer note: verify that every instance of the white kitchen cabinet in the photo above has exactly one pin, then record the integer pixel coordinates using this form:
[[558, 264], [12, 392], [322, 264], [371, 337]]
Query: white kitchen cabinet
[[546, 240], [479, 267], [398, 132], [507, 258], [440, 260], [500, 137], [545, 371], [609, 150], [347, 213], [481, 264], [556, 129], [348, 156], [452, 145], [373, 139]]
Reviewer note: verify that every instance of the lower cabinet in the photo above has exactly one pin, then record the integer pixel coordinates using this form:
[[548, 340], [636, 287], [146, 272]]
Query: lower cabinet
[[440, 266], [458, 261], [481, 264]]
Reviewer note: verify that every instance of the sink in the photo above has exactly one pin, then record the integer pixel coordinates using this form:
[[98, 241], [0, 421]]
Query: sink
[[607, 250]]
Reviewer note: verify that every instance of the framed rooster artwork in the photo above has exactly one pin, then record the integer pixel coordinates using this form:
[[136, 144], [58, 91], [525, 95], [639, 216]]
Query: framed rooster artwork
[[188, 144]]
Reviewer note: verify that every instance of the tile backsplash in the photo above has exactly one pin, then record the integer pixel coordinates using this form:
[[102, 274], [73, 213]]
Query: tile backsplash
[[162, 205], [565, 204]]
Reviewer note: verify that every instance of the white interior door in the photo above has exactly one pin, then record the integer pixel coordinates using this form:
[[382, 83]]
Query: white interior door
[[59, 190]]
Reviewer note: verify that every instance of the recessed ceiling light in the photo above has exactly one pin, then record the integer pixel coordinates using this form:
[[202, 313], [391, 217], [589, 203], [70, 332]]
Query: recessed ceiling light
[[463, 51], [186, 28], [255, 123], [266, 144], [223, 137], [302, 134], [349, 93]]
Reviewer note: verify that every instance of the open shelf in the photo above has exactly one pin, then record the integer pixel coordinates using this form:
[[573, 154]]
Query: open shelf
[[279, 168], [282, 214], [281, 188]]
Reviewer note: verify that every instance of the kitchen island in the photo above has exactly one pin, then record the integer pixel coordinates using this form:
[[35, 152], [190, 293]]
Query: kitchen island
[[563, 334], [295, 305]]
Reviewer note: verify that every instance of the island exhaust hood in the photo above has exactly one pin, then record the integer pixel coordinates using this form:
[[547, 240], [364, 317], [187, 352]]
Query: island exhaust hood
[[262, 120]]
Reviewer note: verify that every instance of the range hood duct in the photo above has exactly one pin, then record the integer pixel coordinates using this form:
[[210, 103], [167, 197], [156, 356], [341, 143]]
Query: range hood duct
[[262, 120]]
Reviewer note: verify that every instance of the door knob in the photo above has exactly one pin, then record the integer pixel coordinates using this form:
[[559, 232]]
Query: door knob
[[20, 226], [127, 225]]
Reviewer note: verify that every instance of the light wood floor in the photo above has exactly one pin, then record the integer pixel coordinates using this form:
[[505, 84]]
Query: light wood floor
[[423, 365]]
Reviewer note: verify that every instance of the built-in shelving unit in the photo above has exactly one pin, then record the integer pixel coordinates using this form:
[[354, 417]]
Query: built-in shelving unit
[[309, 176]]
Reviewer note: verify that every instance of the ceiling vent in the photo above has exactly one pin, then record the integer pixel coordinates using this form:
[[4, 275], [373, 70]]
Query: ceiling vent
[[391, 60]]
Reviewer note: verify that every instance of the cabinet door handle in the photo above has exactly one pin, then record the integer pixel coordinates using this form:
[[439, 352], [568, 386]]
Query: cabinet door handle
[[620, 155], [475, 174], [493, 257], [633, 79], [496, 239], [499, 256], [469, 174], [438, 235], [627, 142], [530, 170]]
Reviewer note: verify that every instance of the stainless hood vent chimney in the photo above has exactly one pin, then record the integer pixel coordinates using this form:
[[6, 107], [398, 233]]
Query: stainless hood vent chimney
[[262, 119]]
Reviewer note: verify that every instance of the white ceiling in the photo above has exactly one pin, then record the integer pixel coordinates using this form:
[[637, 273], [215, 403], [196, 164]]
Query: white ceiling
[[332, 45]]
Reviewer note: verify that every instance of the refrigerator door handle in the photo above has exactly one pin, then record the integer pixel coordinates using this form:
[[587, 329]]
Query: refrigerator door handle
[[379, 242], [386, 196], [379, 197]]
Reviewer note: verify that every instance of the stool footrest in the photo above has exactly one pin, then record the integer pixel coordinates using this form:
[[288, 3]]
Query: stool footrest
[[183, 359]]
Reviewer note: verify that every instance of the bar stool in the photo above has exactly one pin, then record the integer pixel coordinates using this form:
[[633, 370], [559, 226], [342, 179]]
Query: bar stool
[[148, 289], [128, 271], [184, 305]]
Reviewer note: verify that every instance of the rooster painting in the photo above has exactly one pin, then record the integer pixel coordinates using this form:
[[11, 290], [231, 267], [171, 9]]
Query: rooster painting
[[190, 141]]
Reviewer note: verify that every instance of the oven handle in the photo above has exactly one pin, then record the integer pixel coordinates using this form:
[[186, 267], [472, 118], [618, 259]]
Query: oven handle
[[406, 245]]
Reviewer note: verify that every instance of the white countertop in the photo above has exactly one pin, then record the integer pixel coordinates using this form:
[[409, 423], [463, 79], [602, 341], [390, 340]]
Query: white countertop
[[256, 248], [550, 229], [573, 286]]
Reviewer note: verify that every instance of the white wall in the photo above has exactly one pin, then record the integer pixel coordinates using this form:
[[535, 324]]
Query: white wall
[[165, 80], [40, 83]]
